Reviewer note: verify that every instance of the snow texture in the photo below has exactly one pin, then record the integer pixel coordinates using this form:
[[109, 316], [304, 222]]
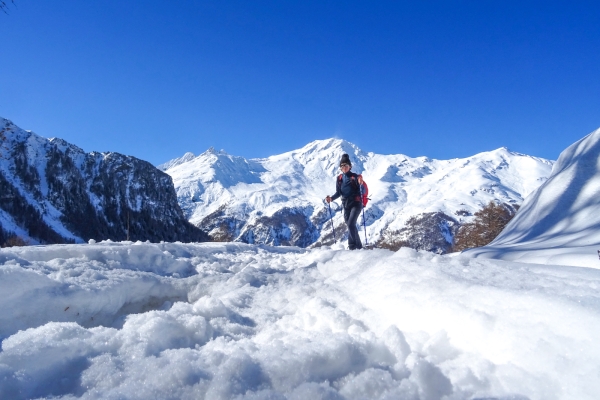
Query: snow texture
[[560, 222], [235, 321]]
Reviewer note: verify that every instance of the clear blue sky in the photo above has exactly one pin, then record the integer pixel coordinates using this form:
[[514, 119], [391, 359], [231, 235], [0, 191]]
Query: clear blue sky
[[444, 79]]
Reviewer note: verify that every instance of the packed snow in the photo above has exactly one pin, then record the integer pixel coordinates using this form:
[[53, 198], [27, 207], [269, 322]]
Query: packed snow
[[560, 222], [235, 321]]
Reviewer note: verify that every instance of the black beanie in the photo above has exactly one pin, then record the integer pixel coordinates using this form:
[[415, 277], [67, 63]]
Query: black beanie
[[345, 160]]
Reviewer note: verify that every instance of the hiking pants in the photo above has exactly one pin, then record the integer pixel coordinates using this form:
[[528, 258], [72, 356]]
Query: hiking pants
[[350, 217]]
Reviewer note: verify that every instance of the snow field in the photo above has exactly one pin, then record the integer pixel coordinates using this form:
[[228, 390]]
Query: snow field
[[231, 321]]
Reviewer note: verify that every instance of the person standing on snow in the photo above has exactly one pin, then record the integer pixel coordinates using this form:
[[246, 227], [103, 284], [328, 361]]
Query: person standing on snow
[[348, 187]]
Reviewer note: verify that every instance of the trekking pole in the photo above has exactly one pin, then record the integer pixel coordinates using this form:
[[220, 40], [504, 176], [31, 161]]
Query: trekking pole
[[363, 213], [331, 219]]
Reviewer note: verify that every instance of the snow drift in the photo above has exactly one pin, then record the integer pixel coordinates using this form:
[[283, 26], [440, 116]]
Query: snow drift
[[560, 222], [235, 321]]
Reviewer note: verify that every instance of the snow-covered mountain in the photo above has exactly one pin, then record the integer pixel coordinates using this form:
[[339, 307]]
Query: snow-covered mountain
[[560, 222], [278, 200], [53, 192]]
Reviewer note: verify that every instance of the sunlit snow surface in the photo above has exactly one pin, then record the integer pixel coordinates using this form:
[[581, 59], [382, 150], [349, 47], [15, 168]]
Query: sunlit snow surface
[[220, 321], [559, 223]]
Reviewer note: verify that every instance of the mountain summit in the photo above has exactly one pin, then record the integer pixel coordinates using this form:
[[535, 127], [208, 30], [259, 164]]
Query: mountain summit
[[279, 199], [53, 192]]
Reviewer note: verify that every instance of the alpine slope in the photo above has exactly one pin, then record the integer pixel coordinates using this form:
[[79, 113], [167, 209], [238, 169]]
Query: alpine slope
[[279, 199], [559, 223], [51, 191]]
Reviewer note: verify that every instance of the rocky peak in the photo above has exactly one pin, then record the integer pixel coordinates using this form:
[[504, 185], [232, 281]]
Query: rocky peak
[[55, 192]]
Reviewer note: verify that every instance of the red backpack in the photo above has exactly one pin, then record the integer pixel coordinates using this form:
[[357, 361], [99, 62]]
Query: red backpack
[[364, 191]]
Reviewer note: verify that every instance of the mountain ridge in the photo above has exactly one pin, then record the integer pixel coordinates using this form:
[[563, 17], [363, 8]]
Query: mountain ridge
[[54, 192], [254, 200], [74, 196]]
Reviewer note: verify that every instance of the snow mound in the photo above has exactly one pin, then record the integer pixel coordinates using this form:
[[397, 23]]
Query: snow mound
[[559, 223], [235, 321]]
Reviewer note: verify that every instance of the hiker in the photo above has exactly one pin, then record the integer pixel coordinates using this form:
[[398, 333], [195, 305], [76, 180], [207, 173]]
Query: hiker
[[348, 187]]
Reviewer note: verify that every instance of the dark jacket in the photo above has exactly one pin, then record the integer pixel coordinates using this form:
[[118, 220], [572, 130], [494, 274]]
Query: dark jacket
[[348, 188]]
